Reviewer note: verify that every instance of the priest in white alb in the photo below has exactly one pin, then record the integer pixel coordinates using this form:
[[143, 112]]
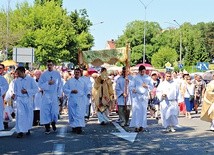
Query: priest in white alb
[[50, 83], [25, 88], [76, 89], [140, 88], [168, 94], [3, 89]]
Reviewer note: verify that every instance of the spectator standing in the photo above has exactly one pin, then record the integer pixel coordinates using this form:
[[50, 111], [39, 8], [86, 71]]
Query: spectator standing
[[200, 87], [153, 100], [37, 100], [189, 95]]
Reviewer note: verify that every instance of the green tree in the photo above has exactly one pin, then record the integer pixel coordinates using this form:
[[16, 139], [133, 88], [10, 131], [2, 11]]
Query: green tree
[[3, 31], [42, 2], [193, 44], [54, 34], [84, 40], [134, 33], [16, 30], [164, 55], [46, 30], [81, 25], [209, 38]]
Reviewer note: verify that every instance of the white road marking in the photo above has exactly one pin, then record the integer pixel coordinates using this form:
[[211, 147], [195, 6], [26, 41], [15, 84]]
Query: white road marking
[[211, 142], [7, 133], [123, 134], [62, 132], [58, 149]]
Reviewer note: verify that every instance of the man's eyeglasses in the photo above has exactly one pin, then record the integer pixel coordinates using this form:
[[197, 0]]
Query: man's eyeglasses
[[168, 76], [188, 79]]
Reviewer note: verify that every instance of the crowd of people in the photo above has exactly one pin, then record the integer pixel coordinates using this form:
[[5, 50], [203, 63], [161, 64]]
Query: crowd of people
[[39, 97]]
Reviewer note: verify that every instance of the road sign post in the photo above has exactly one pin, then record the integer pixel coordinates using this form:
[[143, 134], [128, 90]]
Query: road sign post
[[203, 66]]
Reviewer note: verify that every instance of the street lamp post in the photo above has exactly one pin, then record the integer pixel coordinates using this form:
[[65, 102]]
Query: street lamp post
[[94, 24], [180, 42], [97, 23], [7, 37], [144, 32]]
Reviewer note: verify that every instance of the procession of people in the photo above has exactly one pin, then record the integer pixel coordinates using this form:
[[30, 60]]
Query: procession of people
[[39, 97]]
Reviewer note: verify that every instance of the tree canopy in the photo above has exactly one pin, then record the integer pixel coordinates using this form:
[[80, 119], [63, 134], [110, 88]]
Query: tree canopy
[[59, 34], [54, 34], [197, 41]]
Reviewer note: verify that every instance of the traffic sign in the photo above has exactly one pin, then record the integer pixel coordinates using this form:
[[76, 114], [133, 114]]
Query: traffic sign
[[168, 64], [203, 66], [180, 66]]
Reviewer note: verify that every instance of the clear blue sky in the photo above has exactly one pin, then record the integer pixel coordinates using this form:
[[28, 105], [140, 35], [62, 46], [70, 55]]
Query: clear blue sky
[[117, 13]]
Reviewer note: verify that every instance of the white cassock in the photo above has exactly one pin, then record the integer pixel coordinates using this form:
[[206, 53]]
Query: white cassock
[[24, 102], [76, 102], [169, 106], [49, 109], [10, 91], [37, 102], [120, 89], [9, 94], [3, 89], [140, 100], [91, 101], [89, 88]]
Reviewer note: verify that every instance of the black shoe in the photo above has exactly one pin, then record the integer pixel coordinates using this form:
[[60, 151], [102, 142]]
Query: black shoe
[[20, 135], [137, 130], [127, 123], [122, 125], [87, 117], [53, 126], [78, 130], [47, 129], [74, 130], [6, 126], [28, 133], [35, 123], [102, 123], [13, 115]]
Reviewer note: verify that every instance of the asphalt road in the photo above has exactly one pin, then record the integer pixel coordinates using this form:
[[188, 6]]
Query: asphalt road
[[192, 137]]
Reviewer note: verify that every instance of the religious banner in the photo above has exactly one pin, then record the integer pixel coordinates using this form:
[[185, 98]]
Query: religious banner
[[99, 57]]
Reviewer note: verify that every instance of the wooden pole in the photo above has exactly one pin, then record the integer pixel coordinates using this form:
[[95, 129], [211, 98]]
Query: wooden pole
[[127, 62], [126, 73]]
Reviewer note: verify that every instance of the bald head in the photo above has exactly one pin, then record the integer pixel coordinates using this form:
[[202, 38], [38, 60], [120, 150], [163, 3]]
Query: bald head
[[37, 74], [85, 73]]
